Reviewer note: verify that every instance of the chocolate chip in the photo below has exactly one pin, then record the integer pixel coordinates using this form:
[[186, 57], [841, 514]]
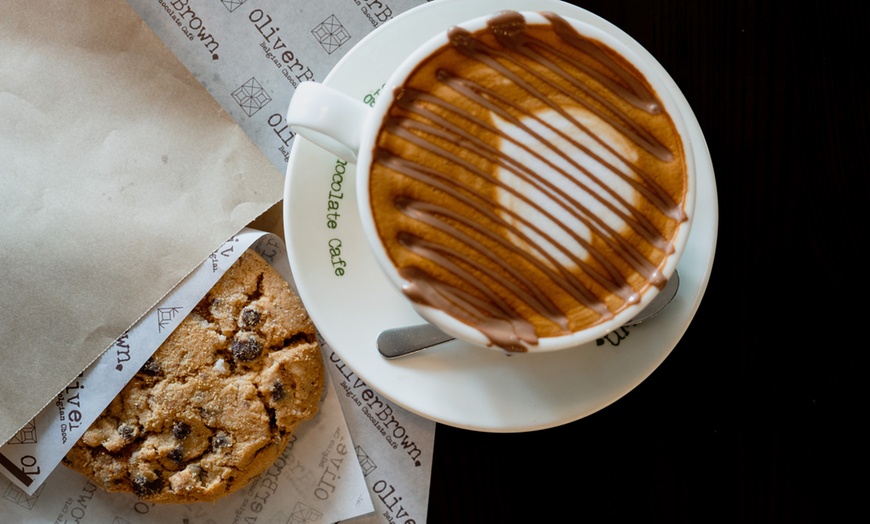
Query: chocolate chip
[[278, 392], [142, 486], [221, 440], [250, 318], [180, 430], [176, 454], [208, 414], [127, 431], [151, 368], [246, 349]]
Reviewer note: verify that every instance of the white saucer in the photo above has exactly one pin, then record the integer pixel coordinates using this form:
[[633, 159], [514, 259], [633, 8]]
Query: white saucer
[[457, 384]]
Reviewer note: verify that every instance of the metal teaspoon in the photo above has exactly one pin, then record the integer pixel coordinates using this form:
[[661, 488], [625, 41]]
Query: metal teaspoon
[[405, 340]]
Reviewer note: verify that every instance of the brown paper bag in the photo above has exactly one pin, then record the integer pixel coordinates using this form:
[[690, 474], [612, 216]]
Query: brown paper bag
[[119, 175]]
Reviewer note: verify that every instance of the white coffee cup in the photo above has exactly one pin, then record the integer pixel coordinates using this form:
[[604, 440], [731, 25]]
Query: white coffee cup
[[349, 128]]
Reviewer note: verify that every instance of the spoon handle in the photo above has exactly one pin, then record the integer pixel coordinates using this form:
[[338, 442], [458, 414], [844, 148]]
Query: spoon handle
[[393, 343]]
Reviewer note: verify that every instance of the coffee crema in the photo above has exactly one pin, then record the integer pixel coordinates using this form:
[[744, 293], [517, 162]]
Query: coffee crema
[[527, 181]]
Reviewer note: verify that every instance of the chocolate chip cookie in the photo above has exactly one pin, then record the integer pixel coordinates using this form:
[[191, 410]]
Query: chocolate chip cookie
[[218, 401]]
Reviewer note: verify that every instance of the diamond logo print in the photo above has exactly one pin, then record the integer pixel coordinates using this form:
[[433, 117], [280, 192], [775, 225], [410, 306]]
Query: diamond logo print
[[16, 496], [165, 316], [331, 34], [251, 97], [232, 5], [365, 462], [27, 435], [304, 514]]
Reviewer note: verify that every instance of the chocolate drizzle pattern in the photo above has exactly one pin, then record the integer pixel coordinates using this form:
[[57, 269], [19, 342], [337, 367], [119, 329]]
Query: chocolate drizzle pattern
[[527, 181]]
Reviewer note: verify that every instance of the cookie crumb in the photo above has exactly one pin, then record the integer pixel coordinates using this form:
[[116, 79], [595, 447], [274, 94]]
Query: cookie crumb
[[221, 366]]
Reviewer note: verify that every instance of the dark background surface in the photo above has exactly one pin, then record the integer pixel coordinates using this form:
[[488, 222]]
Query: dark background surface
[[754, 416]]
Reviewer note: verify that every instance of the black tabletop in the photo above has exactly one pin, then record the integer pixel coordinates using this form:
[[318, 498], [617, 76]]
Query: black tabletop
[[753, 417]]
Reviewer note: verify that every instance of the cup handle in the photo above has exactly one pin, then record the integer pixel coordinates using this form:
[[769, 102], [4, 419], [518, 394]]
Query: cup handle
[[329, 118]]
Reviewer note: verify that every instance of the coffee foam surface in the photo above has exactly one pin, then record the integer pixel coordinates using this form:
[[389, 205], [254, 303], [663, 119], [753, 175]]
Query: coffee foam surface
[[526, 181], [562, 225]]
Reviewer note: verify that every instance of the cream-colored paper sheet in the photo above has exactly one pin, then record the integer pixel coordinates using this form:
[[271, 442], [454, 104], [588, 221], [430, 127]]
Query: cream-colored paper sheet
[[251, 55], [394, 448], [120, 174]]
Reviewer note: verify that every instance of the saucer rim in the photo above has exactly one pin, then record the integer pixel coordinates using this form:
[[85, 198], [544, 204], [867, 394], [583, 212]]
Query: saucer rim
[[434, 410]]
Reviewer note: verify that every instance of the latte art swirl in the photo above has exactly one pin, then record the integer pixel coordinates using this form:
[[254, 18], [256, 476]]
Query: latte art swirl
[[527, 181]]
